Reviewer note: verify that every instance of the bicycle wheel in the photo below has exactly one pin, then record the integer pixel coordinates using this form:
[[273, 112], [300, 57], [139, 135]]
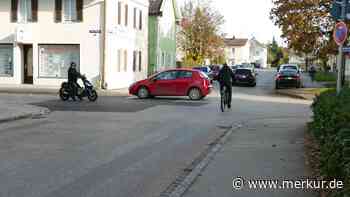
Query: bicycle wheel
[[223, 102]]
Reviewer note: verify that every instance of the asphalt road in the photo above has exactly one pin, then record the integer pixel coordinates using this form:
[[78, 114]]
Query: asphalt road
[[122, 146]]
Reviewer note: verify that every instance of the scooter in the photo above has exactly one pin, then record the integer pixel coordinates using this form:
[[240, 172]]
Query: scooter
[[87, 91]]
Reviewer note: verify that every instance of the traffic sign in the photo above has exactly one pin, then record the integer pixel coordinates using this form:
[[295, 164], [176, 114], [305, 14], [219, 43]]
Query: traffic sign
[[346, 49], [340, 33]]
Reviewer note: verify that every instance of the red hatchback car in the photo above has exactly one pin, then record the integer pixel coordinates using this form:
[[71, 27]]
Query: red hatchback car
[[176, 82]]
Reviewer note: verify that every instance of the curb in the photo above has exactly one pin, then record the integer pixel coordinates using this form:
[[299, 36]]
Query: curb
[[292, 95], [25, 116], [55, 92], [185, 180]]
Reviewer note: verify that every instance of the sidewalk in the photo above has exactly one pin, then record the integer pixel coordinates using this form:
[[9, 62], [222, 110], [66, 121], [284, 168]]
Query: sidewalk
[[262, 149], [53, 90], [12, 112]]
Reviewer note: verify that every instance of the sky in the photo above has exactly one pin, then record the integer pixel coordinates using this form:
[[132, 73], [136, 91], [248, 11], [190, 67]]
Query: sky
[[247, 18]]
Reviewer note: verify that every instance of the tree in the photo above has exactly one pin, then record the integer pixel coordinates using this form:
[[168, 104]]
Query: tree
[[276, 54], [306, 25], [199, 37]]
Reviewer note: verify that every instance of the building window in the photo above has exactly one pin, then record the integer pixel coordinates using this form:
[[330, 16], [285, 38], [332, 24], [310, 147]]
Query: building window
[[134, 61], [6, 60], [140, 20], [71, 10], [126, 14], [126, 60], [24, 11], [140, 61], [119, 60], [119, 13], [54, 60]]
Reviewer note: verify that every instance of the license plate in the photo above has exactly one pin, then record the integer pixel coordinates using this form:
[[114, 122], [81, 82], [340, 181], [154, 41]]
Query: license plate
[[289, 78]]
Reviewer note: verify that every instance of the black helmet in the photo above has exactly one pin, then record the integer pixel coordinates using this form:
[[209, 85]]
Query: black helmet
[[73, 65]]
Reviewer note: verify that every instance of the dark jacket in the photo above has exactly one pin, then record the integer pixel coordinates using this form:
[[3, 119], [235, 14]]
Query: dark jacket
[[73, 75], [226, 76]]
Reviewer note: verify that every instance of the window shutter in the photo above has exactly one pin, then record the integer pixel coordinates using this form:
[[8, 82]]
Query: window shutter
[[119, 13], [140, 61], [140, 25], [135, 10], [34, 10], [14, 8], [126, 14], [58, 11], [80, 5]]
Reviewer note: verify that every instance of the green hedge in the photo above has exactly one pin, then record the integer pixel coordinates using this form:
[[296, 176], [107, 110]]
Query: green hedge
[[326, 77], [331, 127]]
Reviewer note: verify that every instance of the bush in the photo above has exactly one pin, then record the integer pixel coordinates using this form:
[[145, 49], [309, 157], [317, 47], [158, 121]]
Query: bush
[[331, 127], [325, 77]]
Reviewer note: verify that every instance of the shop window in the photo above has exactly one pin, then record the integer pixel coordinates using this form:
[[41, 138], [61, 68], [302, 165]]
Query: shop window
[[6, 60], [54, 60]]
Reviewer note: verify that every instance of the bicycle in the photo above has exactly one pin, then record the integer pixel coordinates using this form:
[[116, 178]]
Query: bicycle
[[224, 98]]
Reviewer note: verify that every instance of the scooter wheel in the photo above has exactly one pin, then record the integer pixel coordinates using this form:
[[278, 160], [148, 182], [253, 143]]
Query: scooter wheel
[[93, 96], [64, 95]]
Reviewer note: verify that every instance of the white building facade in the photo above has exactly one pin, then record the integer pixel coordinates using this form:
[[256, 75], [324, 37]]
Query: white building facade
[[126, 41], [40, 38], [240, 51]]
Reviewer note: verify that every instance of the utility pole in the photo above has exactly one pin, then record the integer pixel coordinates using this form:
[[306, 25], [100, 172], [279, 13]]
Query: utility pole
[[340, 55]]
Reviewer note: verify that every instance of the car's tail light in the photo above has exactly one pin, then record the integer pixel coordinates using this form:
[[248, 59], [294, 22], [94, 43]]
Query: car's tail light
[[206, 83], [278, 77]]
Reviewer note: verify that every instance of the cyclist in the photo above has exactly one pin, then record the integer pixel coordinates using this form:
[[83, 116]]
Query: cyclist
[[225, 77]]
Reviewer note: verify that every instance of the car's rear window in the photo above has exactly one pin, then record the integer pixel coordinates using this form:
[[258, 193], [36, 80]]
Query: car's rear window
[[243, 72], [288, 72], [290, 67]]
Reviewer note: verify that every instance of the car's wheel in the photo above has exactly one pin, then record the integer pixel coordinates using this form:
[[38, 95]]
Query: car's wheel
[[277, 86], [195, 94], [253, 84], [298, 85], [143, 93]]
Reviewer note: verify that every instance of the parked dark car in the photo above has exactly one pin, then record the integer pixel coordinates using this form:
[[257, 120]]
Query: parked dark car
[[288, 78], [234, 68], [244, 76], [206, 70], [215, 71], [176, 82]]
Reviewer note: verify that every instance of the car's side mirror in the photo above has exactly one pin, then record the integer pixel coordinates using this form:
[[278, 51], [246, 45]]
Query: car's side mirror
[[154, 79]]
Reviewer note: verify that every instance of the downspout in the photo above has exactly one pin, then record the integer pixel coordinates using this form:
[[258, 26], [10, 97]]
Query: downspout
[[103, 69]]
